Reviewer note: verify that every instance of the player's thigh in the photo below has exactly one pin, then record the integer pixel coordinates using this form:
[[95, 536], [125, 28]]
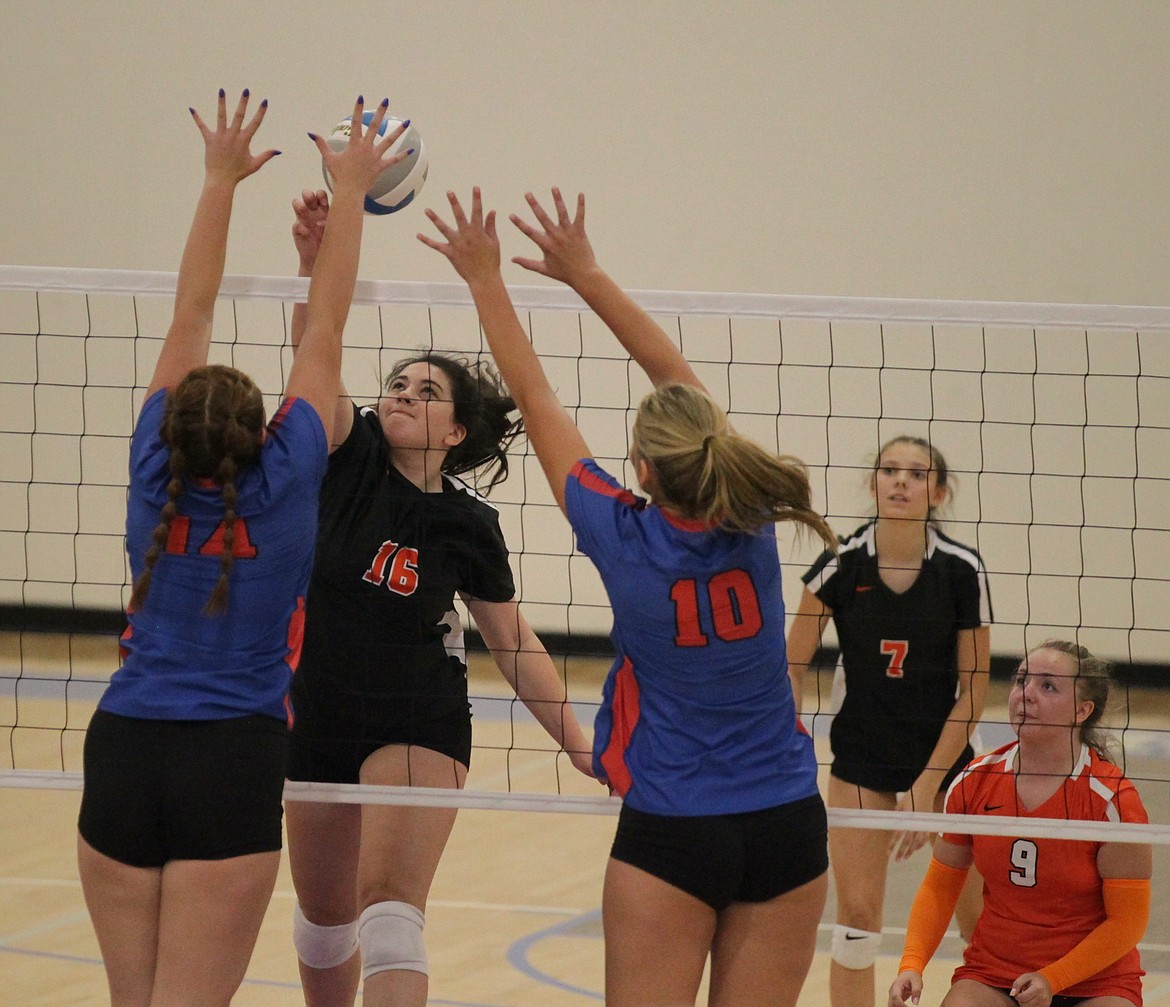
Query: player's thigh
[[123, 906], [762, 950], [401, 846], [209, 917], [859, 857], [657, 938], [323, 843]]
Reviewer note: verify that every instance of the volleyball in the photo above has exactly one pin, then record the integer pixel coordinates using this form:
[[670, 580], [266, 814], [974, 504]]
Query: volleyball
[[398, 184]]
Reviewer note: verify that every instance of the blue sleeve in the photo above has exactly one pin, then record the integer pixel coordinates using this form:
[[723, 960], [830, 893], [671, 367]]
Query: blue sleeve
[[600, 511]]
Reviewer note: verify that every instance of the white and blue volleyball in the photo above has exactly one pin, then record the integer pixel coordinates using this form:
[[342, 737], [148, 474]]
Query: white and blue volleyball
[[397, 186]]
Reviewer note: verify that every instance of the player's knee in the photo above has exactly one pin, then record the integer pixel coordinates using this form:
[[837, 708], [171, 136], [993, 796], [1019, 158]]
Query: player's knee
[[391, 937], [323, 947], [855, 949]]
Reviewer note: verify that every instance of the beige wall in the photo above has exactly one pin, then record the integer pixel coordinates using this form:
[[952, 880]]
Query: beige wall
[[991, 150], [994, 151]]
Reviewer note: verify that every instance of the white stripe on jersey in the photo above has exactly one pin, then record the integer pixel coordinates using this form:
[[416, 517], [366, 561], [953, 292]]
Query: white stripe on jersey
[[1006, 760], [862, 540]]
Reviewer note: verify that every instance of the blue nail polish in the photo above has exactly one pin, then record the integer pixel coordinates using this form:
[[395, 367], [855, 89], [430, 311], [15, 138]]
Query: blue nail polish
[[246, 92], [385, 102], [409, 152], [264, 103], [361, 100], [313, 136], [405, 123], [190, 109], [221, 92], [277, 153]]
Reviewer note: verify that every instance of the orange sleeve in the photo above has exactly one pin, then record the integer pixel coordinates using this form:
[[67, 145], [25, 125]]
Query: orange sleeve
[[933, 906], [1127, 910]]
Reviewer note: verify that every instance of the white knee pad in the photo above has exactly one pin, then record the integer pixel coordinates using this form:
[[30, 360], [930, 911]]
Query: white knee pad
[[390, 934], [855, 949], [323, 947]]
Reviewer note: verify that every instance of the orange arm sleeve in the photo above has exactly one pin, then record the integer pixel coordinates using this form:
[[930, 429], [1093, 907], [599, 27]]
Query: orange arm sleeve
[[1127, 910], [930, 914]]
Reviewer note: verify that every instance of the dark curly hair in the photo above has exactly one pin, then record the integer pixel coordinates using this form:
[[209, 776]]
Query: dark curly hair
[[482, 406]]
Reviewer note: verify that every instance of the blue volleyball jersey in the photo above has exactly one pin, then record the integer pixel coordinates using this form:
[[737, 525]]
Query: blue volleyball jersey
[[697, 715], [177, 663]]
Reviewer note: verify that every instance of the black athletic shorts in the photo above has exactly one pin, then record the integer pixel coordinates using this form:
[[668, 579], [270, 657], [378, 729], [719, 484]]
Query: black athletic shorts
[[720, 859], [329, 744], [1058, 999], [873, 775], [162, 790]]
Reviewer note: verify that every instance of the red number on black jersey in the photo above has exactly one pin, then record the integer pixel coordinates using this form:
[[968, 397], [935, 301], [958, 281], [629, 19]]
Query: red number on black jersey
[[242, 547], [735, 609], [896, 651], [403, 575]]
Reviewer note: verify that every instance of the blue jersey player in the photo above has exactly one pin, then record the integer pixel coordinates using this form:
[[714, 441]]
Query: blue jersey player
[[180, 823], [720, 849]]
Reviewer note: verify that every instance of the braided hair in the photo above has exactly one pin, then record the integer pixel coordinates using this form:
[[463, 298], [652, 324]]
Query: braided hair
[[482, 406], [213, 424]]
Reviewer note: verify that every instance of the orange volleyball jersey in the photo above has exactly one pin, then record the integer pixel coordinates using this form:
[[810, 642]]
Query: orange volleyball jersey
[[1041, 896]]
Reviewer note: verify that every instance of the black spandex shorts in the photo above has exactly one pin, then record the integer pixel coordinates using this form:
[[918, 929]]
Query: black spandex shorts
[[162, 790], [891, 779], [753, 856], [329, 746]]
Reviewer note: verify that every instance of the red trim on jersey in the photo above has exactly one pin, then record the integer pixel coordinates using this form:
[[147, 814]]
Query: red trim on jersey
[[206, 483], [125, 638], [595, 484], [625, 711], [280, 414], [688, 523], [296, 635]]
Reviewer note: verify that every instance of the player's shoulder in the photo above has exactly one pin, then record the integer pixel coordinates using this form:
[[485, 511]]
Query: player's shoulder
[[852, 550], [942, 548]]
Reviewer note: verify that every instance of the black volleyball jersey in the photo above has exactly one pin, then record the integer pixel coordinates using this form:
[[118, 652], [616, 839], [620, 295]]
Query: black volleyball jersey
[[899, 650], [380, 615]]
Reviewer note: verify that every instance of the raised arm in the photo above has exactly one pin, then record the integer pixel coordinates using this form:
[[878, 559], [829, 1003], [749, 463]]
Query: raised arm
[[568, 257], [227, 161], [316, 370], [311, 209], [473, 248]]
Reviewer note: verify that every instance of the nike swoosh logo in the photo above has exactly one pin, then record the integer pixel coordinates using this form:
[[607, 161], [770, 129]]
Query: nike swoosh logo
[[992, 807], [855, 937]]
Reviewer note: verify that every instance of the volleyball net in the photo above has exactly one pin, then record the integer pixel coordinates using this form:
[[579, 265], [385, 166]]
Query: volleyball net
[[1055, 419]]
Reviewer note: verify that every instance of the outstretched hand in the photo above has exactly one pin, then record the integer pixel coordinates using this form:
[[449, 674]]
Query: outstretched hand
[[472, 245], [312, 210], [363, 158], [567, 252], [227, 155]]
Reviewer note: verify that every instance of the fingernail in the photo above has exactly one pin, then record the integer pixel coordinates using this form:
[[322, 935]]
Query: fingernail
[[405, 123], [264, 103], [361, 100], [190, 109], [221, 94], [385, 102], [409, 152], [246, 92], [313, 136], [277, 153]]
